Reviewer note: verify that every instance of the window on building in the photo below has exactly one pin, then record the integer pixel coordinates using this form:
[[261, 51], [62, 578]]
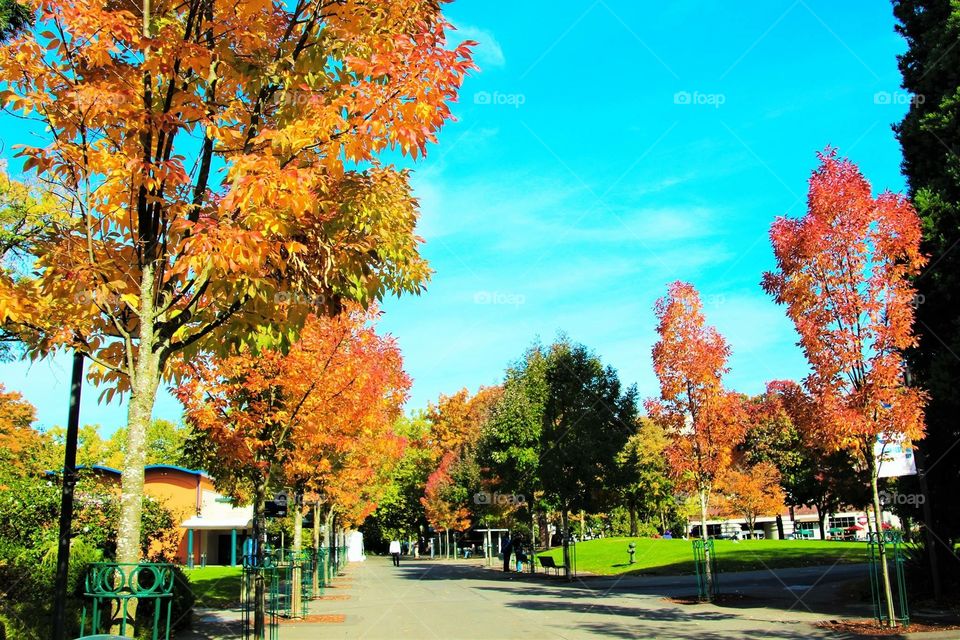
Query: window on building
[[842, 522]]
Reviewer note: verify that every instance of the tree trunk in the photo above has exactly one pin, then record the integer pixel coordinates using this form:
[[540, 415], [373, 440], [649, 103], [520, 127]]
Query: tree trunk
[[139, 413], [708, 569], [260, 542], [533, 541], [780, 532], [543, 529], [632, 507], [316, 550], [821, 519], [881, 544], [144, 381], [566, 543], [296, 559]]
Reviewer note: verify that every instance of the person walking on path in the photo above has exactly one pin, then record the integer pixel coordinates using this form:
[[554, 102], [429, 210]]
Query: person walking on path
[[395, 552]]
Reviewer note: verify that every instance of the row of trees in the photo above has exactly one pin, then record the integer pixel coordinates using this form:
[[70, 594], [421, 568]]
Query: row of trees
[[211, 212], [563, 432], [161, 248]]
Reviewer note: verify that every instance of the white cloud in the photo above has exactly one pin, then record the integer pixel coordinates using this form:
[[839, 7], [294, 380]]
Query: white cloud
[[488, 52]]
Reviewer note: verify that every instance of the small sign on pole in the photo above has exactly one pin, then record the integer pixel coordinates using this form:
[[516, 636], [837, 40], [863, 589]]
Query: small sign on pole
[[894, 456], [276, 508]]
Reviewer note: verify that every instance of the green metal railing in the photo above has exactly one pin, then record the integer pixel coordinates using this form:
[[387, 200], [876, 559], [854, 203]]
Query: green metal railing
[[704, 559], [319, 573], [893, 545], [267, 572], [112, 586], [294, 582]]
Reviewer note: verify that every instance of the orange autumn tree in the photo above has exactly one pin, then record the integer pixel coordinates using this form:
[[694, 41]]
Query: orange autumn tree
[[456, 424], [442, 502], [753, 491], [19, 441], [270, 420], [844, 273], [704, 420], [217, 160], [350, 441]]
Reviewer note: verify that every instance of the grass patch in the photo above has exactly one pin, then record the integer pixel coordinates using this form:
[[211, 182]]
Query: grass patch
[[658, 557], [216, 587]]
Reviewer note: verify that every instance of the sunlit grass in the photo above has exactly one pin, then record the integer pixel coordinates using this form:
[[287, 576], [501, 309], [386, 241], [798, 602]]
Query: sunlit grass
[[216, 587], [609, 556]]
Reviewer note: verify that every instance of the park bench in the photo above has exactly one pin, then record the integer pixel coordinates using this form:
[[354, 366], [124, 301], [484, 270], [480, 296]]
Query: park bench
[[547, 562]]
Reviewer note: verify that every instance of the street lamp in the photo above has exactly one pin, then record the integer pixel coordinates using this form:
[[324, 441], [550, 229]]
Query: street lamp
[[66, 500]]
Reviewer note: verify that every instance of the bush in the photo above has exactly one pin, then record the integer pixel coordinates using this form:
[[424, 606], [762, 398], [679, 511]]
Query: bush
[[26, 611], [29, 529]]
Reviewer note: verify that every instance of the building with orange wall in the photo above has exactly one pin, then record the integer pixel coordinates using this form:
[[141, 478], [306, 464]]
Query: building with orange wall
[[213, 530]]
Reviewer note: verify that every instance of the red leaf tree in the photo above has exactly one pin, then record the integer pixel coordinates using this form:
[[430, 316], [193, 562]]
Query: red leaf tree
[[703, 419], [844, 274]]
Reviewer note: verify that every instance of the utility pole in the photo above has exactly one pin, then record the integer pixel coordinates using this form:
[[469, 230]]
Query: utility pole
[[66, 501]]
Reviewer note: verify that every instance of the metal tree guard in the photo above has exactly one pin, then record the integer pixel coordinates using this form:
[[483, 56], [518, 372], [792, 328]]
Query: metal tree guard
[[702, 554], [251, 572], [894, 552], [112, 582]]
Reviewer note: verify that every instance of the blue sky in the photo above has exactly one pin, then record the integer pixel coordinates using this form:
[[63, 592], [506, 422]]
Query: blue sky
[[605, 149]]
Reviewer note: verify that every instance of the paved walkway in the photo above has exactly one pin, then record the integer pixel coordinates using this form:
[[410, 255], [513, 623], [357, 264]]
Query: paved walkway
[[440, 599]]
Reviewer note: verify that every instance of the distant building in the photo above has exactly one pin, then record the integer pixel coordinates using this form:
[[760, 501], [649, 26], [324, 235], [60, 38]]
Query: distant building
[[213, 530], [849, 524]]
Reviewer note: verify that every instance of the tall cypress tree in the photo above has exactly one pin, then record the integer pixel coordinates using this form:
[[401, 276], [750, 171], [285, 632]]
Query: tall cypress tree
[[930, 137]]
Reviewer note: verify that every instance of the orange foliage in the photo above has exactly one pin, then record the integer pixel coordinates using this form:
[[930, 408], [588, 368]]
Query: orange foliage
[[17, 435], [844, 272], [704, 420], [753, 492], [317, 418]]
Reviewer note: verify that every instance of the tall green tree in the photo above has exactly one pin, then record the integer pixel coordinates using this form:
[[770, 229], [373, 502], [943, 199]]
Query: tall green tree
[[644, 482], [587, 419], [509, 448], [930, 137]]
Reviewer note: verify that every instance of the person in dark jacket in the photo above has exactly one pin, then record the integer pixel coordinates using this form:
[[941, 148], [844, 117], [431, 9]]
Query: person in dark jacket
[[507, 548]]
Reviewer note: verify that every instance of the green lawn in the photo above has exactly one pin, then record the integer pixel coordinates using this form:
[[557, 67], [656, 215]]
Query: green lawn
[[673, 557], [216, 587]]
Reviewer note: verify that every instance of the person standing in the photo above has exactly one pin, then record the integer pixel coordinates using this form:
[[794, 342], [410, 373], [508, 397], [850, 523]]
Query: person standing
[[505, 550], [395, 552]]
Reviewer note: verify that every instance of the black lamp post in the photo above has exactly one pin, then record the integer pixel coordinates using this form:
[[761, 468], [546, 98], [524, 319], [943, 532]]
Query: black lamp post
[[66, 501]]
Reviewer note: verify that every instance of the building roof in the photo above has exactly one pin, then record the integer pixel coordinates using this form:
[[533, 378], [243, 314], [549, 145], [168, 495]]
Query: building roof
[[150, 467]]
